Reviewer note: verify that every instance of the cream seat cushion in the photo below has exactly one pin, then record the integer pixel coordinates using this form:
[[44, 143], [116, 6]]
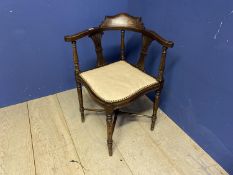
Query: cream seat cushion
[[117, 81]]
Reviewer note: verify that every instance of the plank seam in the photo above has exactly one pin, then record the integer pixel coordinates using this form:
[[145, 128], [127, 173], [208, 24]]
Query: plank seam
[[66, 125], [181, 131], [161, 150], [123, 159], [33, 154]]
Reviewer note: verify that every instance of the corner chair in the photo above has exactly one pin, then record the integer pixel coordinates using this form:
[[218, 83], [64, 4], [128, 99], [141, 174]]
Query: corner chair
[[115, 85]]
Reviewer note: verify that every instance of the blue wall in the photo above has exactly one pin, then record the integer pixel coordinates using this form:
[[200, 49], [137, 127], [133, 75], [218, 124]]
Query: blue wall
[[198, 91], [34, 59]]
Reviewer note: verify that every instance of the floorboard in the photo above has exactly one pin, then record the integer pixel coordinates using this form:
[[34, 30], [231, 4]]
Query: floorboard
[[53, 147], [16, 155]]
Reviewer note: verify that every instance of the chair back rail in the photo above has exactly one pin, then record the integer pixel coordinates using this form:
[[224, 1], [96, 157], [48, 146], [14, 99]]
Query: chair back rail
[[122, 22], [149, 33]]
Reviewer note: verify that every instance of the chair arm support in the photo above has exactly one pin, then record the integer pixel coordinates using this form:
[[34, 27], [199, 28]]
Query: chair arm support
[[158, 38], [162, 64], [74, 37]]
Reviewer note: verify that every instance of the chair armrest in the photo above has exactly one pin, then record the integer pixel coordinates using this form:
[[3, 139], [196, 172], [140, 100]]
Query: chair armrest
[[74, 37], [160, 39]]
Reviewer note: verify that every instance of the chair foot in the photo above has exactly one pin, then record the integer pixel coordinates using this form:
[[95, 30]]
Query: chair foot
[[155, 109], [80, 99], [109, 142], [153, 122], [82, 117]]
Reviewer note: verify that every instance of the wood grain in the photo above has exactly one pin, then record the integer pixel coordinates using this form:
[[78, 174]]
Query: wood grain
[[16, 155], [53, 147]]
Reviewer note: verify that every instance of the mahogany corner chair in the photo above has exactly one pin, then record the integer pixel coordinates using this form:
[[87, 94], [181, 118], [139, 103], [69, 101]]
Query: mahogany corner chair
[[117, 84]]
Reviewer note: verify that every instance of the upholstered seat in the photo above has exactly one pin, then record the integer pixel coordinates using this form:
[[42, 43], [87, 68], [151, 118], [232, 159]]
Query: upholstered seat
[[117, 81]]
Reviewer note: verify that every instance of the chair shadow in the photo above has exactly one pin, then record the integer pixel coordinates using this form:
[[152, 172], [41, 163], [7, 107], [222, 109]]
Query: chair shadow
[[139, 106]]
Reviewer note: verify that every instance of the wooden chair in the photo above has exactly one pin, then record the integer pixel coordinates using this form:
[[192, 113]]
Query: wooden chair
[[115, 85]]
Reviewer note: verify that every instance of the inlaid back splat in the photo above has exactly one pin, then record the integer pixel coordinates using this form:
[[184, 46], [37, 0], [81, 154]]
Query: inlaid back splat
[[146, 41], [96, 37], [122, 20]]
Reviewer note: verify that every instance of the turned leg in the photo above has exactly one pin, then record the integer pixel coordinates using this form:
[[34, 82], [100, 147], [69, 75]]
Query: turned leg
[[109, 131], [155, 109], [80, 98]]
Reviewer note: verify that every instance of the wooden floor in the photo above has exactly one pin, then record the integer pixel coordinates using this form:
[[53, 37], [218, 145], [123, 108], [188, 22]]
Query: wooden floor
[[45, 137]]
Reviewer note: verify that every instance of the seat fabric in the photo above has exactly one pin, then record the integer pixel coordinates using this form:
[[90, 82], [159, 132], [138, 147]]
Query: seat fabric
[[117, 81]]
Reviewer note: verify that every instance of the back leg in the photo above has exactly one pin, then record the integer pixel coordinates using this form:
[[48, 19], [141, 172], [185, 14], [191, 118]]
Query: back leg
[[80, 98]]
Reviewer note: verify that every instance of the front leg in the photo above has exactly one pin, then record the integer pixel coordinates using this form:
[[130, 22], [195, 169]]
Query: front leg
[[155, 109], [109, 121]]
